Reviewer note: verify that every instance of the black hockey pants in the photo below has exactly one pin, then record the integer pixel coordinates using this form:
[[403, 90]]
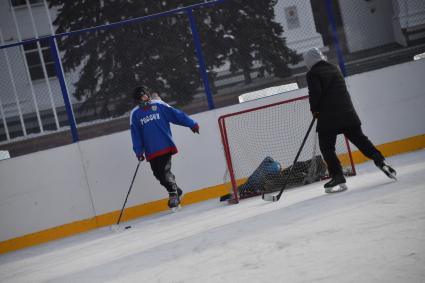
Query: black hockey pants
[[327, 140], [161, 168]]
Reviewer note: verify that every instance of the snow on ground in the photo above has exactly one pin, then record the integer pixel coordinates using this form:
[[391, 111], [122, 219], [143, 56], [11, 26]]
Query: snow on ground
[[374, 232]]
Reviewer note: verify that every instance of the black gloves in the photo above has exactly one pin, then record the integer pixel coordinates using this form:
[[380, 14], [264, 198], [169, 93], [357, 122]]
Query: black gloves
[[195, 129]]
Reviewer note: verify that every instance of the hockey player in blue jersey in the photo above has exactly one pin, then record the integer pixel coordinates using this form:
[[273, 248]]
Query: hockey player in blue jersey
[[152, 139]]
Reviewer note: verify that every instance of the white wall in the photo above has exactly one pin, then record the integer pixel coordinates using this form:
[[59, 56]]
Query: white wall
[[305, 36], [21, 83], [75, 182], [409, 13], [367, 24], [42, 190], [17, 65], [24, 21], [391, 101]]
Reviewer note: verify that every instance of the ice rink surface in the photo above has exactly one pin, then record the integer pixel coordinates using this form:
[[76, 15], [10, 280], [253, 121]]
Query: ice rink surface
[[374, 232]]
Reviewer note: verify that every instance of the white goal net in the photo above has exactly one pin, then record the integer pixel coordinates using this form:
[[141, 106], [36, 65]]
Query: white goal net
[[260, 145]]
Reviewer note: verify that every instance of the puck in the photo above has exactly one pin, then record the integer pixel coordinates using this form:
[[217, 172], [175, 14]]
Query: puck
[[127, 227]]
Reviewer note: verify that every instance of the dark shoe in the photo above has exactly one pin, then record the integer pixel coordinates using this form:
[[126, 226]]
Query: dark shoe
[[337, 180]]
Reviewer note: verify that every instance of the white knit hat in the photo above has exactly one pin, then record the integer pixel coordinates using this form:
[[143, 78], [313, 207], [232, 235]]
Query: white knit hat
[[312, 56]]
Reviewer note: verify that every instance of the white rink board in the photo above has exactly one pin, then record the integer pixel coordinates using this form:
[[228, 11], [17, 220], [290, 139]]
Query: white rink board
[[52, 187]]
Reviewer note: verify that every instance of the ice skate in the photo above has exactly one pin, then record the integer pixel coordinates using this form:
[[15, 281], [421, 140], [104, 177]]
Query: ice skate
[[387, 169], [336, 185], [174, 200]]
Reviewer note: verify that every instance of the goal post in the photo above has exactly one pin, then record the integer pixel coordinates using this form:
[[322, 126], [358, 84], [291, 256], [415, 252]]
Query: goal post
[[260, 144]]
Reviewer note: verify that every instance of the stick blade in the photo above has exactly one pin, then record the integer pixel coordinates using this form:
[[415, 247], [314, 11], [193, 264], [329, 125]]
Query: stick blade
[[272, 198], [117, 228]]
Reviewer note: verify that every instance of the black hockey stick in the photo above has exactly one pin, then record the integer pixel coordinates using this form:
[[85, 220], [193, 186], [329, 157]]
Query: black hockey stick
[[129, 190], [277, 197]]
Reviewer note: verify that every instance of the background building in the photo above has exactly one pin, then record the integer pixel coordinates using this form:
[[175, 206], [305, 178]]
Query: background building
[[31, 99]]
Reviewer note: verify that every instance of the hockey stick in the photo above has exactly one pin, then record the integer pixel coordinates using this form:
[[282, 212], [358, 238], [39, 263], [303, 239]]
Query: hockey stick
[[277, 197], [115, 227]]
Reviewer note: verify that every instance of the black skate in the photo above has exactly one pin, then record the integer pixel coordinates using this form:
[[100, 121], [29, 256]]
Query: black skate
[[336, 185], [387, 169], [174, 200]]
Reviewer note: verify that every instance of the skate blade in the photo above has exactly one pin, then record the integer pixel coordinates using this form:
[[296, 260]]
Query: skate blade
[[116, 228], [176, 209], [389, 173], [337, 189], [392, 176]]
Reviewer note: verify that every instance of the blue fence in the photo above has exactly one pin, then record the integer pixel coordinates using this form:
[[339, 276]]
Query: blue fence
[[197, 56]]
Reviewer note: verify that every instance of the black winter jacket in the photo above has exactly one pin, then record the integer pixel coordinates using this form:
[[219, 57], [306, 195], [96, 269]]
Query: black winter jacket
[[329, 96]]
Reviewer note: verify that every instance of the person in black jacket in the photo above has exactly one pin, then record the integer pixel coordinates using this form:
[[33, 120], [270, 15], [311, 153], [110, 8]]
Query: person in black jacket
[[331, 104]]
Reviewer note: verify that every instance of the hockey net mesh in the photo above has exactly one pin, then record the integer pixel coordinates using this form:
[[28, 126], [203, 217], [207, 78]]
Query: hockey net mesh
[[260, 145]]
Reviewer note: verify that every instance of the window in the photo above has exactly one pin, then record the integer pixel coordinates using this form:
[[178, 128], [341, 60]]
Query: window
[[34, 60], [16, 3]]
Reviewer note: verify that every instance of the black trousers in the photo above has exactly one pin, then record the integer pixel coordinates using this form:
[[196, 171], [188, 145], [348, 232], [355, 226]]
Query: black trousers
[[327, 140], [161, 168]]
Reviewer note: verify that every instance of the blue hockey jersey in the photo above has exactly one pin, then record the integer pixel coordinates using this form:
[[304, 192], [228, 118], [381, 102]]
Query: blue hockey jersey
[[150, 128]]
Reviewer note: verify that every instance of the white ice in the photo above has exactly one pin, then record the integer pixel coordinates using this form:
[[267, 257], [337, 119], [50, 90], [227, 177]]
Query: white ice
[[374, 232]]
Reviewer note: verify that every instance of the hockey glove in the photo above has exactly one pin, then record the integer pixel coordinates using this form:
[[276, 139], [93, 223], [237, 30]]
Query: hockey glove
[[195, 129], [315, 114], [140, 157]]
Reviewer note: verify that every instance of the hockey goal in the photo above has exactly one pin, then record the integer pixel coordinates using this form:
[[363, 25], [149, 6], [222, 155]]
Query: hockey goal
[[260, 145]]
